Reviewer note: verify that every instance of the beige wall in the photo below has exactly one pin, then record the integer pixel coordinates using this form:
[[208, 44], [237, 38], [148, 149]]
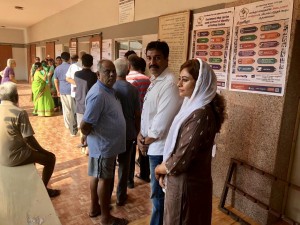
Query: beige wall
[[94, 14], [15, 36], [20, 55]]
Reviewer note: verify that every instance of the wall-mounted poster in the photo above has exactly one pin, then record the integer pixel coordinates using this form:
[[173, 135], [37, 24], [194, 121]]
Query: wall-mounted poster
[[107, 49], [126, 11], [174, 29], [260, 47], [73, 46], [95, 52], [212, 33]]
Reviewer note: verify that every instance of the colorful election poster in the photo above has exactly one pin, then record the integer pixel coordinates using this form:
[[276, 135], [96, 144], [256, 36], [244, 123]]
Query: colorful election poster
[[211, 41], [260, 47]]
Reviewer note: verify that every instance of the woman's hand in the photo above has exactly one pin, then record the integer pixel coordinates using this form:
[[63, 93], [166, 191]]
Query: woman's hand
[[160, 170], [162, 181]]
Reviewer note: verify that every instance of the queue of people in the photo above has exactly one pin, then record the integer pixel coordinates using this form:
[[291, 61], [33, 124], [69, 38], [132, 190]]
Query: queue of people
[[172, 122]]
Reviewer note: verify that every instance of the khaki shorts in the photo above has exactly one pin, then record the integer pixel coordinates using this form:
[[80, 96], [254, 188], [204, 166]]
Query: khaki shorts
[[102, 167]]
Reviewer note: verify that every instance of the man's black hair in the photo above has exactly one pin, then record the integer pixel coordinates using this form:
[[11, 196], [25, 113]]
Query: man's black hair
[[65, 56], [160, 46]]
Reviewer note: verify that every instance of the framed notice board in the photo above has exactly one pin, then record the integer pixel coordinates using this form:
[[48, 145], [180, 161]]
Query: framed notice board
[[174, 29], [96, 50]]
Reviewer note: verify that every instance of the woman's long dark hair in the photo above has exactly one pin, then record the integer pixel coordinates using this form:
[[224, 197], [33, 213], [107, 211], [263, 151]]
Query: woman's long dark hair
[[36, 65], [218, 103], [219, 106]]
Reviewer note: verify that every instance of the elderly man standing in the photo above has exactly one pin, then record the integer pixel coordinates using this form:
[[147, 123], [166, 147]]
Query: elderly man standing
[[18, 146], [129, 97], [104, 124], [161, 104]]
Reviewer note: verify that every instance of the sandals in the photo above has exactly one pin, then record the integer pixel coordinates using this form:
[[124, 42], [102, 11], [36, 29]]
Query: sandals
[[53, 192]]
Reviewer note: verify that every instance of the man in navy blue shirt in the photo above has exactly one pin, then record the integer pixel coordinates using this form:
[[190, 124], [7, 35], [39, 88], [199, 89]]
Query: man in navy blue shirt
[[129, 97]]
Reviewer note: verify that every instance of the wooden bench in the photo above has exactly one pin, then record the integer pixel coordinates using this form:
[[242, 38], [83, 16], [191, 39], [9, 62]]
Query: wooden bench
[[23, 198]]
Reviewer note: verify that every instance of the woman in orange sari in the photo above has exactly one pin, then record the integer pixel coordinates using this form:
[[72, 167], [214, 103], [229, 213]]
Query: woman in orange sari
[[42, 99]]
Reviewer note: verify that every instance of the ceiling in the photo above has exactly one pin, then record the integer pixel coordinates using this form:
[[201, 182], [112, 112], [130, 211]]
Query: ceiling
[[34, 11]]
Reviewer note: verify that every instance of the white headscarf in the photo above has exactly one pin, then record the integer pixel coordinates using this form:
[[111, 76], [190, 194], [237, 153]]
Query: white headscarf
[[204, 92]]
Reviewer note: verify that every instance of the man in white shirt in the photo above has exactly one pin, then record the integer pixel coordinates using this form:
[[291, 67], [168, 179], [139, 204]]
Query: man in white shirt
[[161, 104], [74, 67]]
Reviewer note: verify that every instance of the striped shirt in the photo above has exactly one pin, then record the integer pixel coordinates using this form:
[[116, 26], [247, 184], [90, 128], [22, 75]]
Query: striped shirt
[[141, 82]]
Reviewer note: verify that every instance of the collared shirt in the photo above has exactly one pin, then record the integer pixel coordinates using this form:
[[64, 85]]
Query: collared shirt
[[70, 74], [104, 112], [161, 103], [60, 74], [129, 97], [84, 79], [141, 82], [15, 126]]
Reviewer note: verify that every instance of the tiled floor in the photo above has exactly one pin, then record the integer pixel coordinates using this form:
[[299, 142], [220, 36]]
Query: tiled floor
[[70, 175]]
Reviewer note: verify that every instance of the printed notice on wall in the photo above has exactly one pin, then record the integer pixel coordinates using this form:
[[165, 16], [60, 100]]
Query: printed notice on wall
[[212, 33], [107, 49], [174, 29], [260, 47], [95, 52], [126, 11], [73, 47]]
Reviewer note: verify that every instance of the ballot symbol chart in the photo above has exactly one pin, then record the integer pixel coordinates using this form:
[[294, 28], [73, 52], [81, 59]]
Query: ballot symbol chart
[[211, 41], [212, 46], [260, 48]]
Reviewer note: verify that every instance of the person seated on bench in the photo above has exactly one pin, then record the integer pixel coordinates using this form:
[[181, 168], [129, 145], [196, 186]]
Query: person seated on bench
[[18, 146]]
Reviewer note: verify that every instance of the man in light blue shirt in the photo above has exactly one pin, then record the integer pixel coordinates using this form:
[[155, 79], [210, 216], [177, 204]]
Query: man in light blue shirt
[[104, 125], [64, 92]]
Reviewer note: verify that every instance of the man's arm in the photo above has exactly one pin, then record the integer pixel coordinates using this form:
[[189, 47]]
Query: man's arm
[[85, 128], [70, 76], [70, 80], [137, 111], [56, 83]]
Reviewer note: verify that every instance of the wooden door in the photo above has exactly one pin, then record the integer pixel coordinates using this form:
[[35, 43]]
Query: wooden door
[[31, 54], [5, 53], [50, 50]]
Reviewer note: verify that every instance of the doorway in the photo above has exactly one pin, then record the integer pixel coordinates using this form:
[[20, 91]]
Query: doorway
[[6, 53]]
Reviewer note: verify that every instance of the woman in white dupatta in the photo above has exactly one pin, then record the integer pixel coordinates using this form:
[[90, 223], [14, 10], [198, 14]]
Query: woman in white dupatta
[[188, 150]]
